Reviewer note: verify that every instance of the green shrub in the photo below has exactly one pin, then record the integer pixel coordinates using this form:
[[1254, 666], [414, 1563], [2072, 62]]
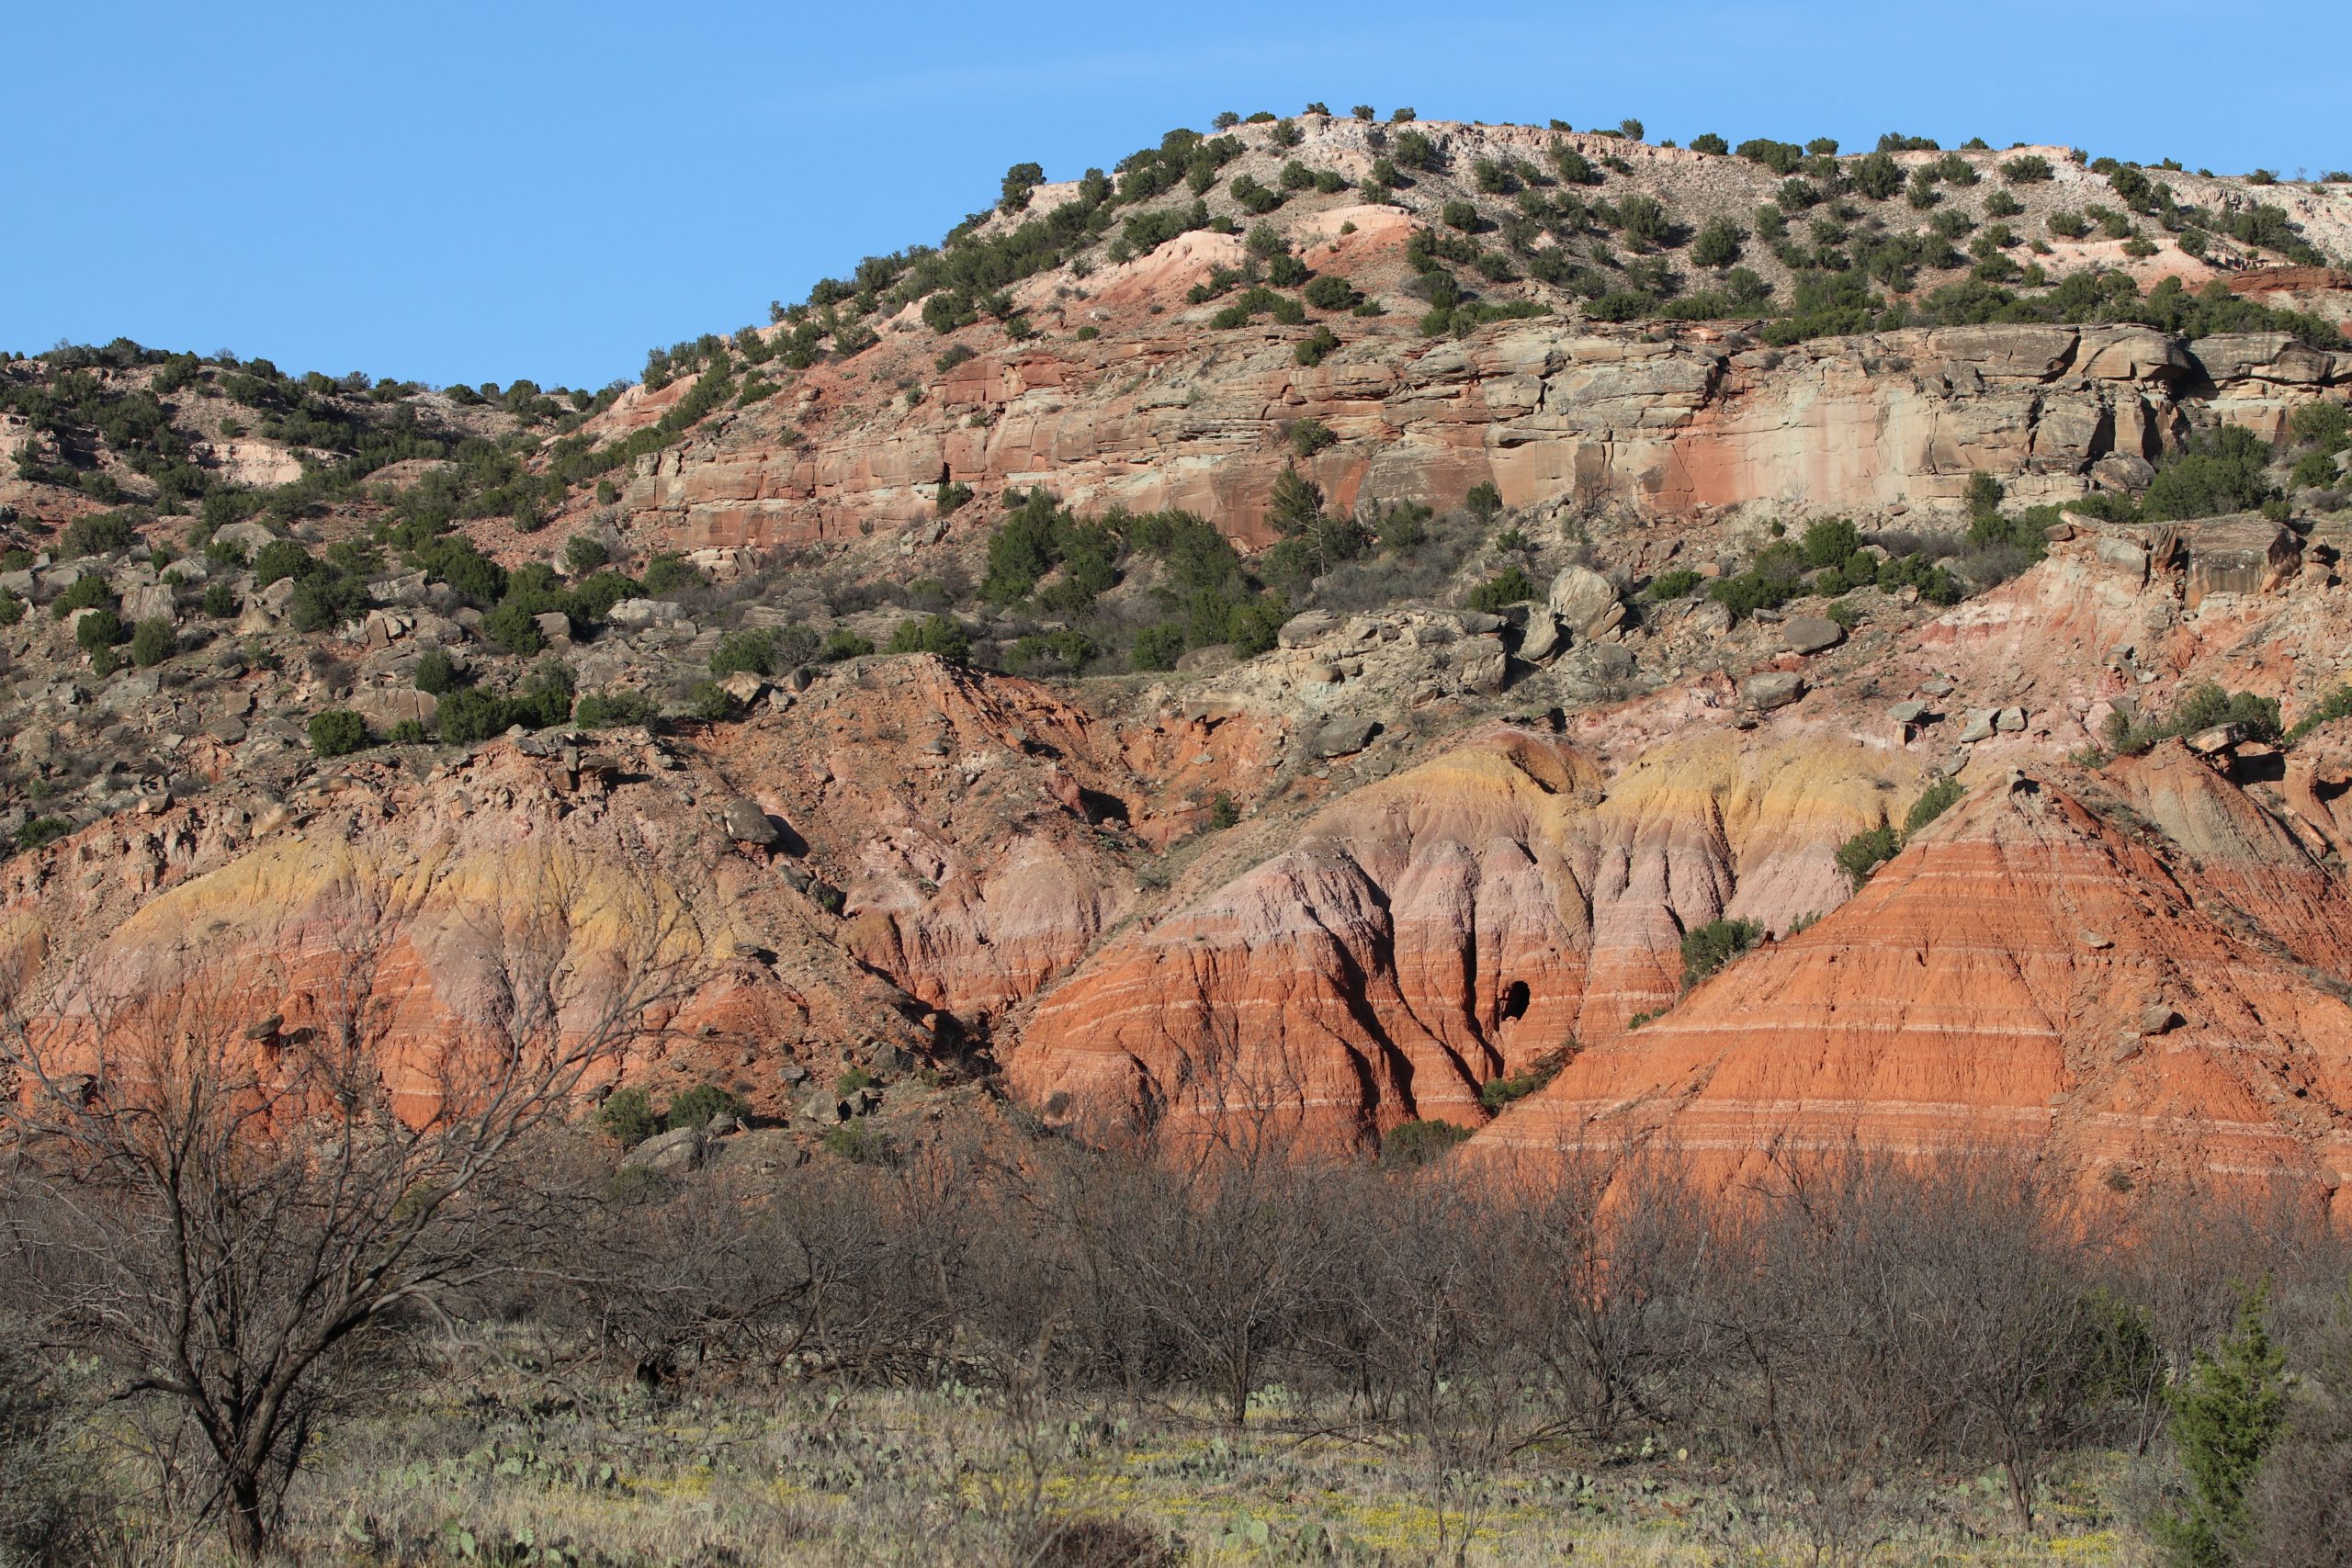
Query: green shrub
[[842, 644], [940, 635], [467, 715], [436, 672], [1716, 245], [614, 710], [1940, 796], [710, 702], [97, 535], [628, 1116], [2200, 707], [749, 652], [1311, 435], [85, 592], [2031, 168], [337, 732], [515, 627], [153, 641], [282, 557], [1645, 220], [12, 608], [2226, 1413], [1830, 543], [1876, 176], [1675, 584], [1708, 948], [1509, 586], [1780, 157], [1866, 852], [408, 732], [219, 600], [583, 553], [1316, 348], [1416, 1144], [1223, 812], [2336, 705], [99, 630], [1708, 141], [326, 599], [697, 1105], [1496, 1093], [667, 572], [42, 830], [2224, 472], [1157, 647]]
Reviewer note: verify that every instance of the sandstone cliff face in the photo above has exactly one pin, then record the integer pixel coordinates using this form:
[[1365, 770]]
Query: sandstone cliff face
[[1454, 923], [2030, 974], [1547, 413]]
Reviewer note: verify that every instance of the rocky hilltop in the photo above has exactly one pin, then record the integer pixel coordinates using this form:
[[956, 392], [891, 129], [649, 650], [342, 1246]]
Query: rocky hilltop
[[1591, 643]]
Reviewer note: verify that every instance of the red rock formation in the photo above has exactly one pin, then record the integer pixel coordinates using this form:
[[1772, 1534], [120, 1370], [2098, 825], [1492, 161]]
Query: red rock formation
[[1452, 924], [2028, 973]]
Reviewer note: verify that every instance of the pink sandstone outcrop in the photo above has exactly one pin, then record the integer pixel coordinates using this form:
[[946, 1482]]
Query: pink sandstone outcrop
[[1547, 413]]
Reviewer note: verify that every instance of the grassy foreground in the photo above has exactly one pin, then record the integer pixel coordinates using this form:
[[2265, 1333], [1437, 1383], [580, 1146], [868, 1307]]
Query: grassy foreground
[[482, 1460]]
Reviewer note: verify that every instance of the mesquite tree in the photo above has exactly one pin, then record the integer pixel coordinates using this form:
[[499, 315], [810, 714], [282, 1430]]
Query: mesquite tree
[[230, 1168]]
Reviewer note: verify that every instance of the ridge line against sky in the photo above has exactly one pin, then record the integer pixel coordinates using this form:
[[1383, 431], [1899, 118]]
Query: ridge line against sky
[[479, 192]]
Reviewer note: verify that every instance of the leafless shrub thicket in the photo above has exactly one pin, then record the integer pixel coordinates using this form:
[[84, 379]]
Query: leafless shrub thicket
[[1829, 1335], [1825, 1339]]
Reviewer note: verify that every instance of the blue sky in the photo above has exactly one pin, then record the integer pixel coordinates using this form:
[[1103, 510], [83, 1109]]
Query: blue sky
[[480, 191]]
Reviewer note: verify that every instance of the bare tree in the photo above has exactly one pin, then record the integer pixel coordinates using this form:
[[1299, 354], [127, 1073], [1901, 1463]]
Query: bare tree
[[258, 1159]]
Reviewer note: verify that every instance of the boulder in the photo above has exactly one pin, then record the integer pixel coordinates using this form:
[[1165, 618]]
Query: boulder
[[2009, 720], [1709, 619], [744, 686], [1542, 638], [1482, 663], [1773, 689], [680, 1149], [151, 602], [1978, 727], [747, 824], [2121, 557], [1303, 629], [1910, 712], [1584, 601], [2124, 471], [2248, 553], [247, 536], [2221, 738], [636, 615], [555, 627], [1343, 736], [1812, 634]]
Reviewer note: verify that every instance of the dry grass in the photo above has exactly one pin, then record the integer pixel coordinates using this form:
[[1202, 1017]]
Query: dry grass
[[484, 1464]]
